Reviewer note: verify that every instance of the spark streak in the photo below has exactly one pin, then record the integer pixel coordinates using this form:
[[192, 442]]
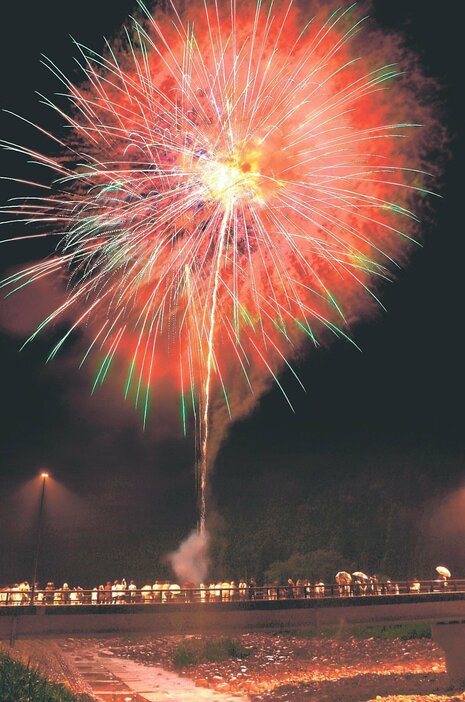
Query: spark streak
[[210, 361]]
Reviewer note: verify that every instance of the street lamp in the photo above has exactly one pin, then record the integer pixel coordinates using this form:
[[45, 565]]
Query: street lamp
[[44, 477]]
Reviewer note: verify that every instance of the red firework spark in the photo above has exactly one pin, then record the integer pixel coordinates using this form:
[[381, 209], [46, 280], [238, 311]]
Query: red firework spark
[[239, 179]]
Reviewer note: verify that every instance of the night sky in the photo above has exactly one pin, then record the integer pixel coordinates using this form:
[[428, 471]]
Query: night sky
[[119, 497]]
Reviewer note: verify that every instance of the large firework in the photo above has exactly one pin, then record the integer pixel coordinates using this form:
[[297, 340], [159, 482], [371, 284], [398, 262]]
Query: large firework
[[237, 179]]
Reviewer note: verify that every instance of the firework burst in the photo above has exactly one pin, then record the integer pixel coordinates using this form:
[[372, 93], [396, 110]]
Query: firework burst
[[237, 180]]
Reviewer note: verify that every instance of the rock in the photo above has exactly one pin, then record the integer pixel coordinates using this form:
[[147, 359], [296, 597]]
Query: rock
[[222, 687], [201, 682]]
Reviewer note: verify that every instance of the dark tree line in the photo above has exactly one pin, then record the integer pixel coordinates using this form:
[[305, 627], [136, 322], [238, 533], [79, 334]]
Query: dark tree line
[[380, 522]]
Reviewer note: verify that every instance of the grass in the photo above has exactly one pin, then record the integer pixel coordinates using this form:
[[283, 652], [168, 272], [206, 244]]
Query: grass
[[404, 632], [193, 651], [23, 683]]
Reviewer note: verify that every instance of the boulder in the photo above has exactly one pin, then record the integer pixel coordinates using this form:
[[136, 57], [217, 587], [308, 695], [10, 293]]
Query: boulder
[[201, 682]]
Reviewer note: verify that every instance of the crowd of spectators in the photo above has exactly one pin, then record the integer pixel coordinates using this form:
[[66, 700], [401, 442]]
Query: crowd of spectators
[[127, 592]]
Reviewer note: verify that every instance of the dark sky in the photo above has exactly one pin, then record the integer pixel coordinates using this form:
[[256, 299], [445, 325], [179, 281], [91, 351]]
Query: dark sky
[[116, 490]]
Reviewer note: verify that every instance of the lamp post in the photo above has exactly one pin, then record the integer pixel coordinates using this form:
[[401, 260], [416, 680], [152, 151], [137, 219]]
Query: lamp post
[[44, 477]]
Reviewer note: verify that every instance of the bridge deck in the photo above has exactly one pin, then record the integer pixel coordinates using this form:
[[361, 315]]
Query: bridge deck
[[194, 617]]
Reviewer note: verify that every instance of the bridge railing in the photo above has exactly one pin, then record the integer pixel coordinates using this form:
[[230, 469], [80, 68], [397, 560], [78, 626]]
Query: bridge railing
[[55, 597]]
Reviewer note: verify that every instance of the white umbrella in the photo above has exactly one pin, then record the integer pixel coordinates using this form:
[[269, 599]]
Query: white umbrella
[[359, 574], [343, 576], [442, 570]]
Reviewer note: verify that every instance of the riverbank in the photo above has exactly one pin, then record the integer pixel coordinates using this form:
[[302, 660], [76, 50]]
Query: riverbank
[[282, 667], [347, 665]]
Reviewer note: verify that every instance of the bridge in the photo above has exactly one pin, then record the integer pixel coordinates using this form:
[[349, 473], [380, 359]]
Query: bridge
[[186, 612]]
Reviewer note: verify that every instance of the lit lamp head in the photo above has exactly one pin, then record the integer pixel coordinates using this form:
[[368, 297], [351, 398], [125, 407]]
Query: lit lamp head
[[44, 475]]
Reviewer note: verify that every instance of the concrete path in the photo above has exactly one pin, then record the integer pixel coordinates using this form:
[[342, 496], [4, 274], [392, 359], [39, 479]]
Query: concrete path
[[113, 679]]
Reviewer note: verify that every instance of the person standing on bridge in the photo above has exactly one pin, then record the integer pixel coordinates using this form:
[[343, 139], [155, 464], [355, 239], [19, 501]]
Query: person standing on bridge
[[123, 586], [65, 592], [444, 575], [49, 588], [156, 591], [225, 591], [242, 589], [132, 591], [146, 593], [290, 589], [252, 588]]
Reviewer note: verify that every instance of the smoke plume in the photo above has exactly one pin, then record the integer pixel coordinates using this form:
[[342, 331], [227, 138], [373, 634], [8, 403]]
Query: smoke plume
[[190, 561]]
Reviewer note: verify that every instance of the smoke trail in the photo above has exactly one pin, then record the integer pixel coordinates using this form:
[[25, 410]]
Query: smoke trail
[[190, 561]]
